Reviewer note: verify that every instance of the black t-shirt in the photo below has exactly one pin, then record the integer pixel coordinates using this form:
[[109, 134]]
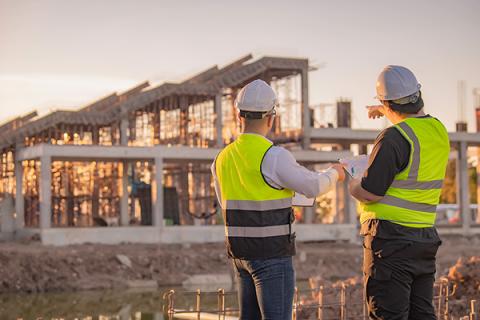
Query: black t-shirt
[[390, 156]]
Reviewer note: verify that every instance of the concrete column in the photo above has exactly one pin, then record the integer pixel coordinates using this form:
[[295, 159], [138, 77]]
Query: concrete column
[[218, 119], [462, 187], [305, 111], [123, 131], [124, 220], [19, 198], [157, 193], [45, 191]]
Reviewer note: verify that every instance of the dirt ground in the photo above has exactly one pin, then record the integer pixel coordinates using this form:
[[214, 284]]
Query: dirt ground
[[31, 267]]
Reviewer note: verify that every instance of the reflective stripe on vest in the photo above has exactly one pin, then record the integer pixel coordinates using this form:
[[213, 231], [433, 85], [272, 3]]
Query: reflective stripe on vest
[[258, 205], [417, 185], [397, 202], [412, 198], [258, 232]]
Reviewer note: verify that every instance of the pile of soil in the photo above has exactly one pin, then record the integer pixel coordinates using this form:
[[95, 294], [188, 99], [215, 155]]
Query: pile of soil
[[466, 274], [31, 267]]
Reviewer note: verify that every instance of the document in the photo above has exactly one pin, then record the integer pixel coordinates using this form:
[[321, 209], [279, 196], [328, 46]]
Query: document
[[355, 166], [299, 200]]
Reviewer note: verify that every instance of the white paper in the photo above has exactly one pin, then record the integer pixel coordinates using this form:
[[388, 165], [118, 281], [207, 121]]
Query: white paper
[[299, 200], [355, 166]]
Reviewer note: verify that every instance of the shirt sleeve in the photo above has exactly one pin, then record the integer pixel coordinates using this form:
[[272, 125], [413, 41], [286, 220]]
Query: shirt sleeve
[[281, 170], [390, 155]]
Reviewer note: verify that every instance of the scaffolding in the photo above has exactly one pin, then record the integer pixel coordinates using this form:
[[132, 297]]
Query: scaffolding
[[198, 112]]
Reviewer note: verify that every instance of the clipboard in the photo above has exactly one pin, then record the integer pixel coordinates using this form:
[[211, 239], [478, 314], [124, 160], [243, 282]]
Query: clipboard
[[299, 200], [356, 166]]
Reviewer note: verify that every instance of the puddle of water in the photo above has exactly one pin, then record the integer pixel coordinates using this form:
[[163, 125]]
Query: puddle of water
[[91, 305], [105, 305]]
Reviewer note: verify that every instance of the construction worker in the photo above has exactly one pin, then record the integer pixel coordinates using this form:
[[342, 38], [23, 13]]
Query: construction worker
[[398, 197], [255, 182]]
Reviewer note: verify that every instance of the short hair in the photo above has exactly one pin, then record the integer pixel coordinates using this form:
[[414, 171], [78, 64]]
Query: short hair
[[414, 104]]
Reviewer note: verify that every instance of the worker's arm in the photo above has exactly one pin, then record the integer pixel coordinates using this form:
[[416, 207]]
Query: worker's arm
[[281, 170], [362, 195], [390, 155]]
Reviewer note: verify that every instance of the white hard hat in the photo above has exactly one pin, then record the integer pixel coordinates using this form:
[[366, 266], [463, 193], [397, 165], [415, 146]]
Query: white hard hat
[[395, 82], [257, 96]]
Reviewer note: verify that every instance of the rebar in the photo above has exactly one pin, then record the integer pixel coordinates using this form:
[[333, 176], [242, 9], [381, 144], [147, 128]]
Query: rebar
[[440, 296], [320, 303], [329, 303], [296, 304], [198, 304], [221, 303], [342, 302], [473, 314]]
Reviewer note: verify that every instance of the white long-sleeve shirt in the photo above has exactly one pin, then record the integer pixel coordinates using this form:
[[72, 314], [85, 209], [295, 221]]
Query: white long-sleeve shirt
[[281, 170]]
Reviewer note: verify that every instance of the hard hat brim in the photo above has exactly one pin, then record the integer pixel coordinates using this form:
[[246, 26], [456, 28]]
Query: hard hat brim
[[378, 97]]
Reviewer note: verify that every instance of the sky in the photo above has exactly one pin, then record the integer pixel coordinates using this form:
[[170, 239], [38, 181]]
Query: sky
[[65, 54]]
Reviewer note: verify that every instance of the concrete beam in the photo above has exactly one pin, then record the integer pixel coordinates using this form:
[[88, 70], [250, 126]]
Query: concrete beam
[[116, 153], [104, 235], [335, 135], [180, 234], [45, 192], [446, 230]]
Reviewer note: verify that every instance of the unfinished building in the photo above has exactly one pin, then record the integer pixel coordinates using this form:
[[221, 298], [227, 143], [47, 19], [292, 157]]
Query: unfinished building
[[135, 166]]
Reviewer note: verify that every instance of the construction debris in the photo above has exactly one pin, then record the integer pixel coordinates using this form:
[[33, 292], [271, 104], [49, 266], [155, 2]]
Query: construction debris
[[123, 259], [466, 273]]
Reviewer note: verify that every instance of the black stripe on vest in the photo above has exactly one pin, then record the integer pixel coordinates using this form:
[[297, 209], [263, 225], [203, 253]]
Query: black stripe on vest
[[251, 218], [259, 248]]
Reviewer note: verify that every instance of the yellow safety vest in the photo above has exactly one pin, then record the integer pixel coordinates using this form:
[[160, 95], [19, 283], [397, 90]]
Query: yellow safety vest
[[413, 196], [257, 216]]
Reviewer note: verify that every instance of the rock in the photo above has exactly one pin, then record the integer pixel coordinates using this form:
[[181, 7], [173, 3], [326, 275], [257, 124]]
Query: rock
[[208, 282], [302, 256], [123, 259]]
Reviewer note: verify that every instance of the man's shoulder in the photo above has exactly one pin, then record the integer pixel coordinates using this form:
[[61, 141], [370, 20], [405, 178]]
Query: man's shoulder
[[278, 151], [274, 153], [390, 134]]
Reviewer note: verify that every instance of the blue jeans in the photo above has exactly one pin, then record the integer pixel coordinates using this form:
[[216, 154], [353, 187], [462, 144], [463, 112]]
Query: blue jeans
[[265, 288]]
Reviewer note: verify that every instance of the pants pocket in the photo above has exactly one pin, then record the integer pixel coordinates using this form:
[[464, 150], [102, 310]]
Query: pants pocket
[[383, 248], [380, 273]]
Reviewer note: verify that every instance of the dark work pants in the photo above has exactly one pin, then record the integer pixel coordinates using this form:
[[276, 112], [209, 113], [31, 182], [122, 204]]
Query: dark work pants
[[265, 288], [399, 278]]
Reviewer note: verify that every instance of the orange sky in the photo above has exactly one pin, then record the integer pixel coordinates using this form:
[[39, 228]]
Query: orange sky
[[63, 54]]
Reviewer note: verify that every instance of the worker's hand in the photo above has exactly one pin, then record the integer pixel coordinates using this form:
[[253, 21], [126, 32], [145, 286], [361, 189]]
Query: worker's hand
[[375, 112], [341, 172]]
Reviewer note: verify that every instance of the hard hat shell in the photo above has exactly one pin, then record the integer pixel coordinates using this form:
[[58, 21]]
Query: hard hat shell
[[395, 82], [257, 96]]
